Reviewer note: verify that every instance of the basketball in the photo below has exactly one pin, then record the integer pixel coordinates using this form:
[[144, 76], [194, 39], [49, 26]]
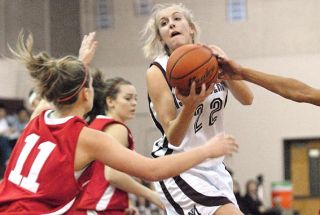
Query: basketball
[[192, 62]]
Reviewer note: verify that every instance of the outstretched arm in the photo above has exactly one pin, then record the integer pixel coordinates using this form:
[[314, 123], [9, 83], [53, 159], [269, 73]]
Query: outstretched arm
[[286, 87], [96, 145]]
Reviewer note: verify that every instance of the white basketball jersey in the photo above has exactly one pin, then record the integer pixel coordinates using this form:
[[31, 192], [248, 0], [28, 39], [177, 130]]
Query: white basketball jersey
[[206, 122], [203, 188]]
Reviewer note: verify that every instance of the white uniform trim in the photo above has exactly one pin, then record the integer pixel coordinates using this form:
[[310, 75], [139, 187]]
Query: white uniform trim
[[55, 121], [105, 199]]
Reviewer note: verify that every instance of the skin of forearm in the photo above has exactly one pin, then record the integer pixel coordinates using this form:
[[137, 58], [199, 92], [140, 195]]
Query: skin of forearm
[[139, 166], [162, 168], [179, 126], [126, 183], [286, 87], [183, 161]]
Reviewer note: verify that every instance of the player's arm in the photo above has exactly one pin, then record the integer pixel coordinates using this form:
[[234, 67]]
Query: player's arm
[[122, 180], [96, 145], [175, 125], [286, 87], [126, 183], [240, 91]]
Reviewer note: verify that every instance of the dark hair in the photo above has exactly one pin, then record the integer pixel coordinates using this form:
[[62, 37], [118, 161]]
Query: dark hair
[[98, 84], [57, 80], [102, 90]]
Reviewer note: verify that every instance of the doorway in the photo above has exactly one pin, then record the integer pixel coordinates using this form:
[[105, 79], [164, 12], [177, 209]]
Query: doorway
[[302, 168]]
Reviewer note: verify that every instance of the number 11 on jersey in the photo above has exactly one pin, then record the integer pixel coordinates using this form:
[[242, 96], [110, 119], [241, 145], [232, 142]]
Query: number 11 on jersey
[[30, 182]]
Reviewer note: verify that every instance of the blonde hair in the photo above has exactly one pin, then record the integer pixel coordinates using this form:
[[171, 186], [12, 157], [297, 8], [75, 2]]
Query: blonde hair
[[152, 42], [57, 80]]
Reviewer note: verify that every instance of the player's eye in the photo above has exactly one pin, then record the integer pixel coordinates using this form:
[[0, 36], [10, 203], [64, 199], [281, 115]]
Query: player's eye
[[163, 23]]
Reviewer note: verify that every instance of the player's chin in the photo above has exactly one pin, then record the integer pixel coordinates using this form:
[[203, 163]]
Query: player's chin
[[178, 43], [131, 115]]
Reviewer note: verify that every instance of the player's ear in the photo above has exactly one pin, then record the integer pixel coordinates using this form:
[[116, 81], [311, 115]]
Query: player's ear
[[85, 93], [109, 102]]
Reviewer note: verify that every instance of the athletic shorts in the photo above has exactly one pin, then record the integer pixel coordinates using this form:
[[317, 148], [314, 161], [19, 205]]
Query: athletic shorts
[[200, 190]]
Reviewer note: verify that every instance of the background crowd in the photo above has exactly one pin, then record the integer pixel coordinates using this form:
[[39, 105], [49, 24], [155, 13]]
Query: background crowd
[[11, 125]]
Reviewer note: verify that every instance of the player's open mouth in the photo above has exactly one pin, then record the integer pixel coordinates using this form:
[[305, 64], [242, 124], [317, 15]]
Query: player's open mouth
[[175, 33]]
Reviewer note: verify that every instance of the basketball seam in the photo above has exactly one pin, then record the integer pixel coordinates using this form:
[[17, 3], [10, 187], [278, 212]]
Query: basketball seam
[[179, 60], [181, 77], [214, 76]]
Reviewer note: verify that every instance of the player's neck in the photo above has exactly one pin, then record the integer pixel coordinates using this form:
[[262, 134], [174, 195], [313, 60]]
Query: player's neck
[[62, 113], [116, 117]]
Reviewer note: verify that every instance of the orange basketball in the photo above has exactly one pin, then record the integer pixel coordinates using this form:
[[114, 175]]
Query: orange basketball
[[192, 62]]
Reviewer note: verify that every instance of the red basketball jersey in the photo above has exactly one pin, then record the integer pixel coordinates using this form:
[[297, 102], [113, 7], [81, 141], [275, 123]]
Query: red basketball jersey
[[98, 194], [40, 176]]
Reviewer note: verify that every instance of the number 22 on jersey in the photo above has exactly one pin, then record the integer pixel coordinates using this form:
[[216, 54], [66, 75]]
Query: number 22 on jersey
[[29, 182]]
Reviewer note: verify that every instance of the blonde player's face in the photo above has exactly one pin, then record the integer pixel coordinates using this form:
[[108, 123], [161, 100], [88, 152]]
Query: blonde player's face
[[174, 28], [124, 106]]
